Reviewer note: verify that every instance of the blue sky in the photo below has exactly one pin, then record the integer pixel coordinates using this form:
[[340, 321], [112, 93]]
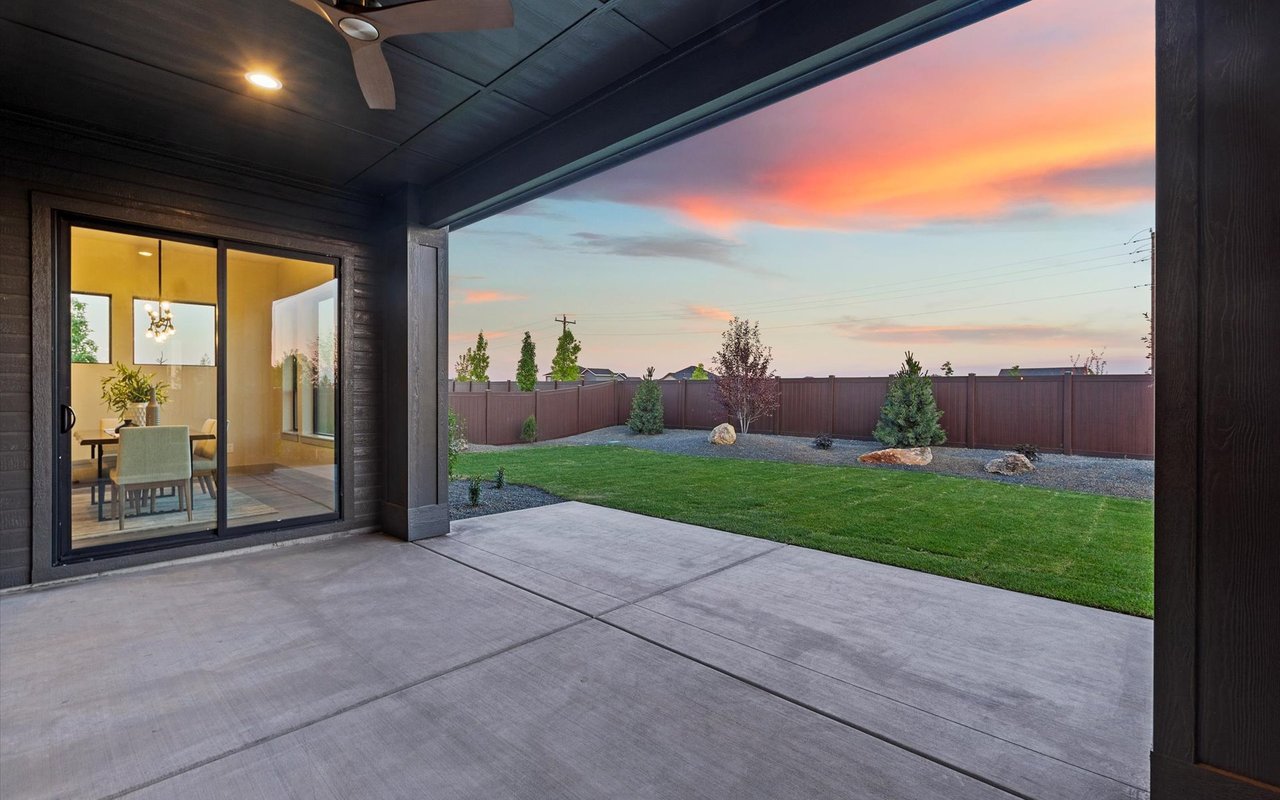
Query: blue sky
[[982, 199]]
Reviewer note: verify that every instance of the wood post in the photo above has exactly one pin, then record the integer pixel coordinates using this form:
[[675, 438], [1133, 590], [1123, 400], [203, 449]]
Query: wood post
[[577, 426], [971, 411], [488, 427]]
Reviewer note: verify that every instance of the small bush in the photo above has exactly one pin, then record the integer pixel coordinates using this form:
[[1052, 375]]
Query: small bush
[[529, 430], [473, 492], [823, 442], [457, 440], [646, 406], [1029, 450], [500, 479]]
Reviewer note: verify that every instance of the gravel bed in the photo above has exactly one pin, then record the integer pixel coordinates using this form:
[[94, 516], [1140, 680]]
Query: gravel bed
[[1119, 477], [511, 497]]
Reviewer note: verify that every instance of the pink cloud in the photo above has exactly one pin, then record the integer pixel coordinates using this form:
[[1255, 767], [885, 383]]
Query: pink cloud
[[710, 312], [490, 296], [1049, 105]]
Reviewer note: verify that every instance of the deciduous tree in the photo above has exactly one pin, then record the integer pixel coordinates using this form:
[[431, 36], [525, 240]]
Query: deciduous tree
[[564, 367], [746, 385]]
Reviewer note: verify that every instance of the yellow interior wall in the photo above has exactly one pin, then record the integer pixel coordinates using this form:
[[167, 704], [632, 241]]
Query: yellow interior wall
[[107, 263]]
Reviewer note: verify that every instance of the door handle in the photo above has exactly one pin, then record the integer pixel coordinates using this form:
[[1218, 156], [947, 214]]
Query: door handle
[[68, 419]]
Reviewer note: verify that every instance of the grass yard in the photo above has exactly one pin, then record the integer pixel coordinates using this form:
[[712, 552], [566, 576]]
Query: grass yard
[[1082, 548]]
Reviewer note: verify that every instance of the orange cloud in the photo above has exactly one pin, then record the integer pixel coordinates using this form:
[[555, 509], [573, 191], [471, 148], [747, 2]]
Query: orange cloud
[[490, 296], [710, 312], [1048, 107]]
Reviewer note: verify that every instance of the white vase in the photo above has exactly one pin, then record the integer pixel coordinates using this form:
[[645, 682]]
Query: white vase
[[139, 414]]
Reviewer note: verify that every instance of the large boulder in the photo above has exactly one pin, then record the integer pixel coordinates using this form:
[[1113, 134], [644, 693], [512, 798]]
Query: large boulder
[[911, 456], [1010, 464], [723, 434]]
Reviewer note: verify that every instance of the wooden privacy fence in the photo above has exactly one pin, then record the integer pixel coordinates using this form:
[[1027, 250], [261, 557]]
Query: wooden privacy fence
[[1102, 415]]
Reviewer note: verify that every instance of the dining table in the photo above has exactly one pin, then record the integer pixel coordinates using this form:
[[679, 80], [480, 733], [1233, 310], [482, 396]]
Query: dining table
[[100, 441]]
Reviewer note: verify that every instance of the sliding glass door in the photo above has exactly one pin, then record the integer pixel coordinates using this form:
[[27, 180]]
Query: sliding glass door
[[197, 391], [282, 410]]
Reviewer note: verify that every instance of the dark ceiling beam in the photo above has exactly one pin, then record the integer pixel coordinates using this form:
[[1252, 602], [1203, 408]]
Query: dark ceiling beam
[[752, 60]]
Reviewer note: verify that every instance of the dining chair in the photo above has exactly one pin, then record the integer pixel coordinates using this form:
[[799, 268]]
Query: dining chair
[[106, 425], [149, 458], [204, 460]]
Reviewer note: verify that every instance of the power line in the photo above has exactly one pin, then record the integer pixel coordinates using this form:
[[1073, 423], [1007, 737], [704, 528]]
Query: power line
[[879, 317]]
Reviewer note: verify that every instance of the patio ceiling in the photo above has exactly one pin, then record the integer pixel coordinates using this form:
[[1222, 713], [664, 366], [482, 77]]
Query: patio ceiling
[[484, 120]]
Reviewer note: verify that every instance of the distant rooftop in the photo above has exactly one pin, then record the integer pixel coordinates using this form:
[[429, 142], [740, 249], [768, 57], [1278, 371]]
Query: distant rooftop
[[1042, 372]]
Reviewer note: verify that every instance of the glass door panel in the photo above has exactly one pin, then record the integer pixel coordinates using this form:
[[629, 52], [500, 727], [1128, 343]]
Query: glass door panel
[[139, 312], [282, 399]]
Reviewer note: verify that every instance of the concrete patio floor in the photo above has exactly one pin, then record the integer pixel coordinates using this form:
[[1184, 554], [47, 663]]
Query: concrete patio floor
[[565, 651]]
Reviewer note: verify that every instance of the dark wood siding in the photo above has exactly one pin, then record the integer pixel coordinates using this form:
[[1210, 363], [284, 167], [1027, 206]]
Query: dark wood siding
[[54, 162]]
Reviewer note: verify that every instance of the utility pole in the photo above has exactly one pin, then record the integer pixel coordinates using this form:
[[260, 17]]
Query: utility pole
[[565, 322]]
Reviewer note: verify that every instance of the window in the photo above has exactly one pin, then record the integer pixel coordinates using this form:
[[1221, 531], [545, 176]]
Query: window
[[304, 338], [193, 343], [90, 328]]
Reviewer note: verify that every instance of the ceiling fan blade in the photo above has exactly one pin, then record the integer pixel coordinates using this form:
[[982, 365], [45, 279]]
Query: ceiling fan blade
[[374, 74], [315, 7], [436, 16]]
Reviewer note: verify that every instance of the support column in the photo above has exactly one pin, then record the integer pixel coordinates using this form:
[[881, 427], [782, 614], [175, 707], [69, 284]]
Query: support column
[[415, 340]]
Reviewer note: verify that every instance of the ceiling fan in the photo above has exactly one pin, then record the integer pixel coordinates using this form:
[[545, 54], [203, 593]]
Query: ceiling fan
[[366, 24]]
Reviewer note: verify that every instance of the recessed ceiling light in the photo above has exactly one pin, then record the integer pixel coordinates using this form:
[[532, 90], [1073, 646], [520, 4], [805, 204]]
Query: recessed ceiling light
[[144, 252], [358, 28], [263, 81]]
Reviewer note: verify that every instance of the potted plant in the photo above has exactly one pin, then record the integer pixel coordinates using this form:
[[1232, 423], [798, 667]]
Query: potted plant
[[129, 390]]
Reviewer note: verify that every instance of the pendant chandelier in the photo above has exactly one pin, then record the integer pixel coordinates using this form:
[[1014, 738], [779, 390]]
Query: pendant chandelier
[[161, 325]]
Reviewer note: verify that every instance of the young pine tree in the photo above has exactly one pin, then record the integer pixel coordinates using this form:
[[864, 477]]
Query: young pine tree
[[564, 367], [527, 369], [480, 359], [646, 406], [910, 414]]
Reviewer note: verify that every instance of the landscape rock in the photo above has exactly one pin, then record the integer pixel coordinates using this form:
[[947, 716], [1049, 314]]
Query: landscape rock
[[911, 456], [723, 434], [1010, 464]]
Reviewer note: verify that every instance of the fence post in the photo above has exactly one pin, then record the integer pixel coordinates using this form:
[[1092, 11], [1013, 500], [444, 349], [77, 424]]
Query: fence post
[[577, 428], [831, 382], [1068, 411], [971, 411], [487, 431], [777, 418], [684, 403]]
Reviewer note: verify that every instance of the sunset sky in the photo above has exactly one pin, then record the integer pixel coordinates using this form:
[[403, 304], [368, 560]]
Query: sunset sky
[[982, 199]]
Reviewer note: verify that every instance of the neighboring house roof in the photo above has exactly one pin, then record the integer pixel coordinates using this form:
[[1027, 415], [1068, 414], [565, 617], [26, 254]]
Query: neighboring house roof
[[597, 372], [684, 374], [1041, 372]]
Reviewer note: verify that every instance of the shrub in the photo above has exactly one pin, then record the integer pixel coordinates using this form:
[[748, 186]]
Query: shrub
[[473, 492], [910, 414], [646, 406], [1029, 450], [457, 440], [529, 430], [500, 479], [823, 442]]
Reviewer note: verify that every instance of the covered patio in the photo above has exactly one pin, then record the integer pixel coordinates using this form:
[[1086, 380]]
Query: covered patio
[[565, 651]]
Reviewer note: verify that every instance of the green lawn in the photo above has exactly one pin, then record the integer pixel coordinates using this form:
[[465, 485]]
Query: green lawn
[[1081, 548]]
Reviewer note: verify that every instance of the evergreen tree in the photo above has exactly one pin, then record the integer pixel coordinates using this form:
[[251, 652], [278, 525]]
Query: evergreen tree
[[699, 373], [564, 367], [480, 359], [646, 406], [83, 349], [910, 414], [527, 370]]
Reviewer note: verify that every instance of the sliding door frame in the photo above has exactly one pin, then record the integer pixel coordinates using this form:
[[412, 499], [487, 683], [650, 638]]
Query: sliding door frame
[[52, 216]]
